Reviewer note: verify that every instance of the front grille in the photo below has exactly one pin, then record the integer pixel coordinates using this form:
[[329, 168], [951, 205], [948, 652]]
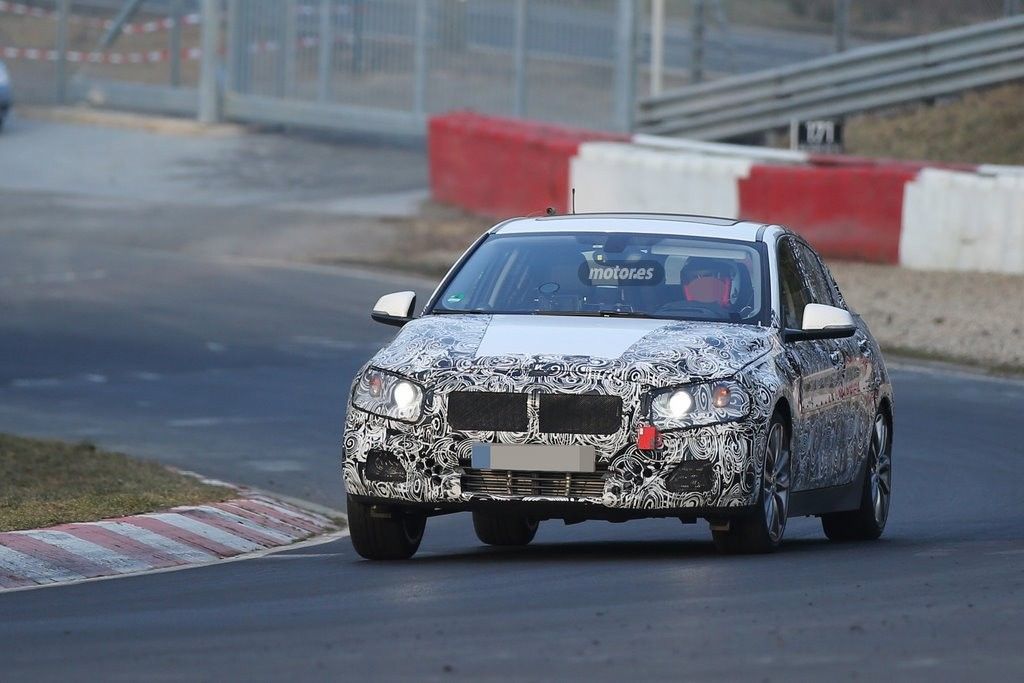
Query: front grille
[[580, 414], [487, 411], [510, 483]]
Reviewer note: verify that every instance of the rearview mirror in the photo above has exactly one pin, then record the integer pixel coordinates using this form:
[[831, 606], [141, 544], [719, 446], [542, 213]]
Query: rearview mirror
[[394, 309], [823, 322]]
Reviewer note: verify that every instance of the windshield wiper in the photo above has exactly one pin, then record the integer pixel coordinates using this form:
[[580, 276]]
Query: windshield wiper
[[599, 314], [448, 311]]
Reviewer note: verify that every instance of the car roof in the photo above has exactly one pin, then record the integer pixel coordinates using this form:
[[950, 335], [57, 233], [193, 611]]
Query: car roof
[[649, 223]]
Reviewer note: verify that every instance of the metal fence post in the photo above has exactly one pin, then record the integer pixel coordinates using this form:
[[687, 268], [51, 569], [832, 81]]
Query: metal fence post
[[625, 64], [657, 46], [61, 66], [209, 88], [174, 41], [237, 52], [419, 96], [842, 24], [697, 25], [522, 18], [289, 48], [326, 35]]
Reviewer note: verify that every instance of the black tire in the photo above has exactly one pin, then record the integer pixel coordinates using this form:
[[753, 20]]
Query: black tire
[[867, 522], [499, 529], [392, 535], [757, 533]]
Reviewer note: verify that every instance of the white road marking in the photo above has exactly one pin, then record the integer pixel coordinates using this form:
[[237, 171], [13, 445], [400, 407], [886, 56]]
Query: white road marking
[[207, 531], [32, 383], [216, 347], [154, 540], [147, 376], [96, 378], [92, 552], [34, 569], [277, 465]]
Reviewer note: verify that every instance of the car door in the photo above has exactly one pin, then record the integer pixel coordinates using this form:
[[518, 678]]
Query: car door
[[816, 445], [861, 379]]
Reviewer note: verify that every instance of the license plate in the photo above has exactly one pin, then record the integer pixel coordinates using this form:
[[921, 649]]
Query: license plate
[[533, 457]]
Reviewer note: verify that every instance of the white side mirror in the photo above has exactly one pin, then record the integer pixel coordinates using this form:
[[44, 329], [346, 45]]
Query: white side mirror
[[394, 309], [820, 317], [823, 322]]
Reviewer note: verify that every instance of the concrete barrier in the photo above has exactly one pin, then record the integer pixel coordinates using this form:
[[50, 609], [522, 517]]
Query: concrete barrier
[[964, 221], [502, 167], [942, 216]]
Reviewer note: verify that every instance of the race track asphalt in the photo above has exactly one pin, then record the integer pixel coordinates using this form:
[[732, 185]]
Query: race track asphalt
[[240, 370]]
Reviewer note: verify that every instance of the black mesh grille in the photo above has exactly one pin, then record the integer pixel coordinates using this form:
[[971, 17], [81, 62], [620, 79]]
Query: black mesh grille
[[487, 411], [580, 414], [507, 483]]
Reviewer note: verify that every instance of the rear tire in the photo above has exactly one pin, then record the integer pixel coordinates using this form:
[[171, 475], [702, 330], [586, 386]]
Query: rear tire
[[762, 531], [504, 529], [867, 522], [383, 536]]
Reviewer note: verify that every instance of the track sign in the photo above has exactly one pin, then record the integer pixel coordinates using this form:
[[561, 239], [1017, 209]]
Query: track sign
[[820, 135]]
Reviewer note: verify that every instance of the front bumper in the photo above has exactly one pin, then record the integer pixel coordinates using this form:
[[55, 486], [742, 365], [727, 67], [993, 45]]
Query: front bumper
[[698, 470]]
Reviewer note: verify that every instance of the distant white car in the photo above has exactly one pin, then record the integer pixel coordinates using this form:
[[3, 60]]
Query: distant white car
[[616, 367], [5, 93]]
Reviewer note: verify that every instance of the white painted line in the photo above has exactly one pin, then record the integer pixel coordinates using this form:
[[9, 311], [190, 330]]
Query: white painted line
[[264, 552], [168, 546], [248, 524], [96, 554], [20, 564], [207, 531]]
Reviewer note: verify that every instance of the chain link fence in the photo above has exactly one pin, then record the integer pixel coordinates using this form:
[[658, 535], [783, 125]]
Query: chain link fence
[[578, 62]]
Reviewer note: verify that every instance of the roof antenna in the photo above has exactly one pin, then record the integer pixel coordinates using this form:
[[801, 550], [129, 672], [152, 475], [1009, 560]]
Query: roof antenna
[[550, 211], [574, 201]]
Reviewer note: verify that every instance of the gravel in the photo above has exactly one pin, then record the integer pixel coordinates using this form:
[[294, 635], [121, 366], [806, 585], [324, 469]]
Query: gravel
[[971, 318]]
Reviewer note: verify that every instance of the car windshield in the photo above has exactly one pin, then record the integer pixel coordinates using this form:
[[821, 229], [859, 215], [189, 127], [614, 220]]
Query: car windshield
[[609, 274]]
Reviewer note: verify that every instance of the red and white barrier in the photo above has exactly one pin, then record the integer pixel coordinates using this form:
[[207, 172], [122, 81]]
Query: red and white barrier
[[21, 9], [937, 217]]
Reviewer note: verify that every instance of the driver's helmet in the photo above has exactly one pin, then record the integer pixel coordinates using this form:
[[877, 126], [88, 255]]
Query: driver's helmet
[[708, 280]]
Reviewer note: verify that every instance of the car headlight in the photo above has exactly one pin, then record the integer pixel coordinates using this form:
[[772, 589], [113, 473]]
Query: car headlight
[[388, 395], [694, 405]]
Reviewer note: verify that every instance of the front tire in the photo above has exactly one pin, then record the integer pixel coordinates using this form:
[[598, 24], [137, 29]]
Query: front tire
[[867, 522], [384, 535], [506, 530], [762, 531]]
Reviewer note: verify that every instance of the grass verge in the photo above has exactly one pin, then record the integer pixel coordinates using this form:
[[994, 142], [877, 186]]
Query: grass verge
[[43, 483]]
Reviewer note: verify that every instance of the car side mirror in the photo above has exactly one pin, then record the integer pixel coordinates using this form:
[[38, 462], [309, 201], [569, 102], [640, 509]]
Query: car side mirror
[[394, 309], [823, 322]]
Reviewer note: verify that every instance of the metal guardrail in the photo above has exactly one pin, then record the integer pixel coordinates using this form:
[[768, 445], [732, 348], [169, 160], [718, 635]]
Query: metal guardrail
[[846, 83]]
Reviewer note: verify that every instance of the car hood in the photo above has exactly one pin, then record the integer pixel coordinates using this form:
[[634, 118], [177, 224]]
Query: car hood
[[642, 349]]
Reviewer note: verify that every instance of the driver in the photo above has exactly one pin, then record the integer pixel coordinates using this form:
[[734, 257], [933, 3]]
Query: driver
[[708, 281]]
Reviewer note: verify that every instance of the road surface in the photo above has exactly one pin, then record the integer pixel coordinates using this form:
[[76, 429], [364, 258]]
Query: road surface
[[240, 370]]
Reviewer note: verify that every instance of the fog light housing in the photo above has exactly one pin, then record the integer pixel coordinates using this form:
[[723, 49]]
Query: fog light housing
[[383, 466]]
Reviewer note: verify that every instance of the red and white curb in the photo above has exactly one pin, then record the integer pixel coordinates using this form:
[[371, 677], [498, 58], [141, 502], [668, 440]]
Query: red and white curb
[[179, 537]]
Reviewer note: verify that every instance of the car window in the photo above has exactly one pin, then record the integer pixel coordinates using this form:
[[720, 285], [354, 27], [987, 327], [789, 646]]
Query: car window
[[629, 274], [792, 292], [818, 289]]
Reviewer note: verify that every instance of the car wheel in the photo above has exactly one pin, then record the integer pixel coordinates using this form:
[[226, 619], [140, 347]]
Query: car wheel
[[762, 531], [867, 522], [395, 535], [498, 529]]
